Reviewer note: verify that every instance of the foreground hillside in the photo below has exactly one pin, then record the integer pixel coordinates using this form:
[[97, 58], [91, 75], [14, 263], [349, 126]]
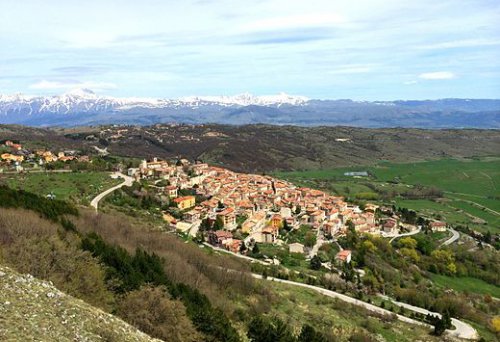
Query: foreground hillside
[[265, 148], [32, 310], [173, 290]]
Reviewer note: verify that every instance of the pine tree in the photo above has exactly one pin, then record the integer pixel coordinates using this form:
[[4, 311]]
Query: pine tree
[[315, 263]]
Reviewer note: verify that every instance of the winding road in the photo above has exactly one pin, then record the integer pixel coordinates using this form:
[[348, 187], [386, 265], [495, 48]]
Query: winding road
[[453, 238], [416, 231], [128, 181], [241, 256], [462, 330]]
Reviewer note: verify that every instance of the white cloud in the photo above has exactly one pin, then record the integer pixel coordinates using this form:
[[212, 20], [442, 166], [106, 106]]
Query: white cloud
[[461, 44], [88, 39], [296, 21], [54, 85], [438, 75]]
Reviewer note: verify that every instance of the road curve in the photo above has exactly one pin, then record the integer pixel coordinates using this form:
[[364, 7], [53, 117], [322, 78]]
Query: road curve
[[416, 231], [241, 256], [128, 181], [344, 298], [462, 329], [453, 238]]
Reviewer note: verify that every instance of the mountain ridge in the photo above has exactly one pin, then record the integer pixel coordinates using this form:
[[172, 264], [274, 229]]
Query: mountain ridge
[[84, 107]]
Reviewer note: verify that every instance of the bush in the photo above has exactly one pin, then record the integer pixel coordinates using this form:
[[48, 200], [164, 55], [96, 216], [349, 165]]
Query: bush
[[153, 311], [136, 270], [50, 209]]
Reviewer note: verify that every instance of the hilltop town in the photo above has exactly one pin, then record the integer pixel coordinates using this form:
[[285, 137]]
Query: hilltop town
[[287, 230], [235, 211]]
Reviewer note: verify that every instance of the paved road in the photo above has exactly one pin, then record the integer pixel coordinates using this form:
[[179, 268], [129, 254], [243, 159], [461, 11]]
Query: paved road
[[342, 297], [462, 329], [406, 234], [453, 238], [236, 254], [128, 181]]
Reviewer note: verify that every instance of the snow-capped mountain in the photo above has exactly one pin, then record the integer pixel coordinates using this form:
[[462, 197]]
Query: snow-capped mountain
[[84, 107], [86, 101], [247, 99]]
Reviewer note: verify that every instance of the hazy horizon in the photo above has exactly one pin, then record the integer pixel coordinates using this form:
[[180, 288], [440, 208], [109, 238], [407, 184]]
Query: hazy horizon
[[76, 91]]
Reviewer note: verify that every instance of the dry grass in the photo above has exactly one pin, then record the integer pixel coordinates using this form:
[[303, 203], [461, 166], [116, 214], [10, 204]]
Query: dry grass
[[34, 310]]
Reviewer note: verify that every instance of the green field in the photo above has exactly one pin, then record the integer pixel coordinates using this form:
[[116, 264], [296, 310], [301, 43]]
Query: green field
[[471, 187], [466, 284], [468, 177], [79, 187]]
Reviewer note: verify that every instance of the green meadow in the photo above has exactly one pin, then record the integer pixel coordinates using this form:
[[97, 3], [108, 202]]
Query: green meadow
[[466, 284], [79, 187]]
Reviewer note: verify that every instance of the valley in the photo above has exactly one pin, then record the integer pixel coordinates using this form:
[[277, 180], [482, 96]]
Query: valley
[[358, 231], [250, 171]]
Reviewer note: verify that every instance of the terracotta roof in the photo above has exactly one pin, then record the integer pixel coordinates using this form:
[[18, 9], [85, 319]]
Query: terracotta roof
[[343, 255], [185, 198], [223, 234], [226, 211]]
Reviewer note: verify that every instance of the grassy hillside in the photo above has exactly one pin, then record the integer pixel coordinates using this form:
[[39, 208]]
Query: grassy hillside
[[466, 284], [34, 310], [36, 246], [77, 186]]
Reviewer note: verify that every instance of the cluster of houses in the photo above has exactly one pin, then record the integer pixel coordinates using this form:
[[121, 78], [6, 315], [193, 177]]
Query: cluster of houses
[[15, 154], [257, 206]]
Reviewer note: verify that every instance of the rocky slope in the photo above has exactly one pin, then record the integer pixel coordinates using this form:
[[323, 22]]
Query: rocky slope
[[34, 310]]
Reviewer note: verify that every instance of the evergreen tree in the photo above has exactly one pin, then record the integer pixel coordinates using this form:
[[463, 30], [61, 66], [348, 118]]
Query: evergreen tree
[[205, 225], [487, 237], [441, 324], [264, 330], [315, 263], [255, 249], [309, 334], [286, 227], [219, 223], [243, 247]]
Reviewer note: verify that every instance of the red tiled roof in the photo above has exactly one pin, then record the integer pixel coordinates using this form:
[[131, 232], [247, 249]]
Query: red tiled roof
[[185, 198]]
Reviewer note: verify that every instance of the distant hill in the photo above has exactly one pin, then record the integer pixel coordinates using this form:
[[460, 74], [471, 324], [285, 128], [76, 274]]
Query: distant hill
[[34, 310], [266, 148], [83, 107]]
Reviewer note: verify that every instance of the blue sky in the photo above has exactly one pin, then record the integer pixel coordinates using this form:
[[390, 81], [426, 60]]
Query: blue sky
[[363, 49]]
